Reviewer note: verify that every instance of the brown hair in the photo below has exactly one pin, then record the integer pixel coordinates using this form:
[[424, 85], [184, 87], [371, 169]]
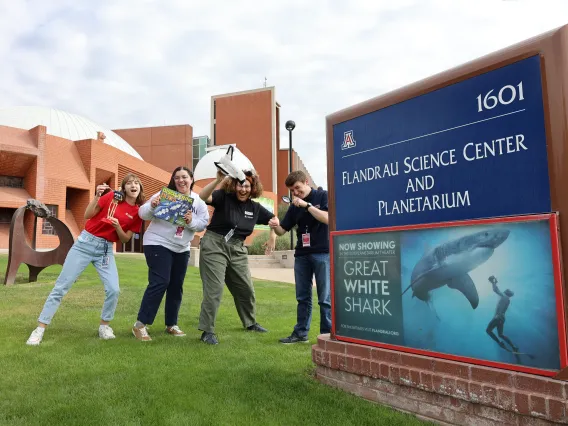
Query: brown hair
[[172, 184], [230, 185], [141, 197], [297, 176]]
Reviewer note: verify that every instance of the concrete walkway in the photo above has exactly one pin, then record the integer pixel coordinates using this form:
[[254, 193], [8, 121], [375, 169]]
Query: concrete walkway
[[283, 275]]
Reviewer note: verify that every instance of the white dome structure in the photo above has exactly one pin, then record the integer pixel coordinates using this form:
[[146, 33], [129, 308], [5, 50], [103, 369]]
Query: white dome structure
[[206, 169], [62, 124]]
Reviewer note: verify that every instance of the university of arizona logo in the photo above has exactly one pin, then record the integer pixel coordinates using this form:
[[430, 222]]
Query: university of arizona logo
[[348, 140]]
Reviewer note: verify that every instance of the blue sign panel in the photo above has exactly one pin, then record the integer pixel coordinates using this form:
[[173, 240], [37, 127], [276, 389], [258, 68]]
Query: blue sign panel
[[474, 149]]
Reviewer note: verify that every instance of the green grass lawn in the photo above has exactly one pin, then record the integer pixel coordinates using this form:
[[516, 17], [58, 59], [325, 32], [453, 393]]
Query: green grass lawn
[[73, 377]]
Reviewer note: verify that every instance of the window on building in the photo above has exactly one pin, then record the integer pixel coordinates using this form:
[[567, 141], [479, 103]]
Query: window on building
[[46, 227], [11, 181], [6, 215], [200, 145]]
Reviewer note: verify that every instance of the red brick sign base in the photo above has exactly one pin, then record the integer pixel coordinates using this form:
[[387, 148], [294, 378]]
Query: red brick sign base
[[440, 390]]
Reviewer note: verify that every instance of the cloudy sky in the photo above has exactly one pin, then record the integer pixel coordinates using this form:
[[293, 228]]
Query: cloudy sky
[[137, 63]]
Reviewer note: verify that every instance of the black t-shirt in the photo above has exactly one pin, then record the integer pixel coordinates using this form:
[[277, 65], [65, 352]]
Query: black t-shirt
[[319, 232], [230, 212]]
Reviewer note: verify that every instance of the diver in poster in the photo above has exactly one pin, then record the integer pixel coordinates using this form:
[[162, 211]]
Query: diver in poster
[[499, 318]]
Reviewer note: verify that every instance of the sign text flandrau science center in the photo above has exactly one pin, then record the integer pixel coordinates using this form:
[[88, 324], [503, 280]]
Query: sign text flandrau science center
[[472, 149]]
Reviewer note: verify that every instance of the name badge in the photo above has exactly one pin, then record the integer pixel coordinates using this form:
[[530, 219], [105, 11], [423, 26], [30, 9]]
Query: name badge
[[305, 240], [179, 232], [229, 235]]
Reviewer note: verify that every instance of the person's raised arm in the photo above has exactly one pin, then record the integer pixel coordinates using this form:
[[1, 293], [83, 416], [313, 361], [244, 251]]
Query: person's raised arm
[[275, 225], [93, 208], [206, 192], [495, 288], [278, 230], [146, 211], [319, 215]]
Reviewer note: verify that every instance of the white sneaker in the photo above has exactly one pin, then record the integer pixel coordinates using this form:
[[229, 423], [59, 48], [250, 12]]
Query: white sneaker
[[105, 332], [36, 337]]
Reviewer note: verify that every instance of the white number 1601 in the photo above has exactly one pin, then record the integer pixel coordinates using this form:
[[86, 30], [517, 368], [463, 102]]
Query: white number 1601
[[506, 95]]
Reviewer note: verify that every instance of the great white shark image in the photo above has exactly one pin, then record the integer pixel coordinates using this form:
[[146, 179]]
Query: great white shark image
[[450, 263]]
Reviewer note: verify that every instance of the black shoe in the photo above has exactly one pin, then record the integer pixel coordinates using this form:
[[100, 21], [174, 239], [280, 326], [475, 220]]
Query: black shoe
[[209, 338], [293, 338], [257, 327]]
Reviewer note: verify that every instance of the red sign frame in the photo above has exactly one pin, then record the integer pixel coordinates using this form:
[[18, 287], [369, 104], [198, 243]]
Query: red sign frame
[[552, 219]]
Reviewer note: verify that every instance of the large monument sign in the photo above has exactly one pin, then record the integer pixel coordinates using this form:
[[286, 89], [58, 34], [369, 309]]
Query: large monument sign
[[448, 210], [469, 150]]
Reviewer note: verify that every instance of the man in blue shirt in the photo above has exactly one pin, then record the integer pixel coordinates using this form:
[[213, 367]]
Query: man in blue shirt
[[309, 211]]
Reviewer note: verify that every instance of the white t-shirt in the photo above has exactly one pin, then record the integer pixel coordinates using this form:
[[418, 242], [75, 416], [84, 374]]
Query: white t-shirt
[[163, 233]]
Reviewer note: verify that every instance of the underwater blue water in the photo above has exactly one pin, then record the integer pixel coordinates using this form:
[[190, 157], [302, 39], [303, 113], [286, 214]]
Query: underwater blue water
[[522, 263]]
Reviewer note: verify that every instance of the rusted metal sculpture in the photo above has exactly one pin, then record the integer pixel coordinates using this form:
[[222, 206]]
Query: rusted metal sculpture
[[19, 250]]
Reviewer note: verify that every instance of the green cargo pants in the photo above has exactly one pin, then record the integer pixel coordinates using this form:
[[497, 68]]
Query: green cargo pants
[[223, 262]]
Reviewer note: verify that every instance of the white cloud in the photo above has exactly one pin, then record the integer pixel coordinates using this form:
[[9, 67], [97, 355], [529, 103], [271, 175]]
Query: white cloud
[[141, 63]]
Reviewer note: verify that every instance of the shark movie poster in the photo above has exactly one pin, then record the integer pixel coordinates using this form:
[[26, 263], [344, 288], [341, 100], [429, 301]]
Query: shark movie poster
[[481, 291], [368, 277]]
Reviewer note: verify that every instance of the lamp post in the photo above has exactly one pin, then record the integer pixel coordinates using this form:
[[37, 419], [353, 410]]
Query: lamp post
[[290, 126]]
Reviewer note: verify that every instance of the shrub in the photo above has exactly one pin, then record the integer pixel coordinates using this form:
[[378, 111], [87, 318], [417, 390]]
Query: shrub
[[282, 243], [282, 209]]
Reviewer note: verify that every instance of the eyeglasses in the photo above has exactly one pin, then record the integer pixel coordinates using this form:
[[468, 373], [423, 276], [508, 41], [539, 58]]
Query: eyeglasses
[[243, 186]]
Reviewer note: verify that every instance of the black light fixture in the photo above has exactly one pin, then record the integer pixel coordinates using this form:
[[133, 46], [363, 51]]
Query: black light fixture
[[290, 126]]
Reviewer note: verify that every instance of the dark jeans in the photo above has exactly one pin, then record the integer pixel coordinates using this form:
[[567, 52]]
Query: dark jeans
[[166, 272], [305, 268]]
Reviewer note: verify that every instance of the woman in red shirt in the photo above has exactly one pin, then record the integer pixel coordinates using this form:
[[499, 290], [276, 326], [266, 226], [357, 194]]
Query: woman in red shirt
[[95, 245]]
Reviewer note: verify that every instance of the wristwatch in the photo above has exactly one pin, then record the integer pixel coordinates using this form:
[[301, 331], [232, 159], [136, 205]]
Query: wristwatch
[[308, 206]]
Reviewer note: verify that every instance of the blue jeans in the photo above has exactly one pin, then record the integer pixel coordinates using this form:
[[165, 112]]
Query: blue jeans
[[166, 273], [87, 249], [305, 267]]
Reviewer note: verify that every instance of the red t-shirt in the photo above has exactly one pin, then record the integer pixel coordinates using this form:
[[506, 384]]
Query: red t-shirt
[[126, 214]]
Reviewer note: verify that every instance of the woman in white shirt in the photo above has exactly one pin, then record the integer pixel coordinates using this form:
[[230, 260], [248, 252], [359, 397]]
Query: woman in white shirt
[[167, 249]]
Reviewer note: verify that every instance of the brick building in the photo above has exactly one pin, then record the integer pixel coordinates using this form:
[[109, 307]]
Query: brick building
[[59, 159], [251, 121], [283, 169], [166, 147]]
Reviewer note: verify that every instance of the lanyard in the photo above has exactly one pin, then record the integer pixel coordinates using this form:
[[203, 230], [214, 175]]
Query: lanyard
[[232, 231]]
